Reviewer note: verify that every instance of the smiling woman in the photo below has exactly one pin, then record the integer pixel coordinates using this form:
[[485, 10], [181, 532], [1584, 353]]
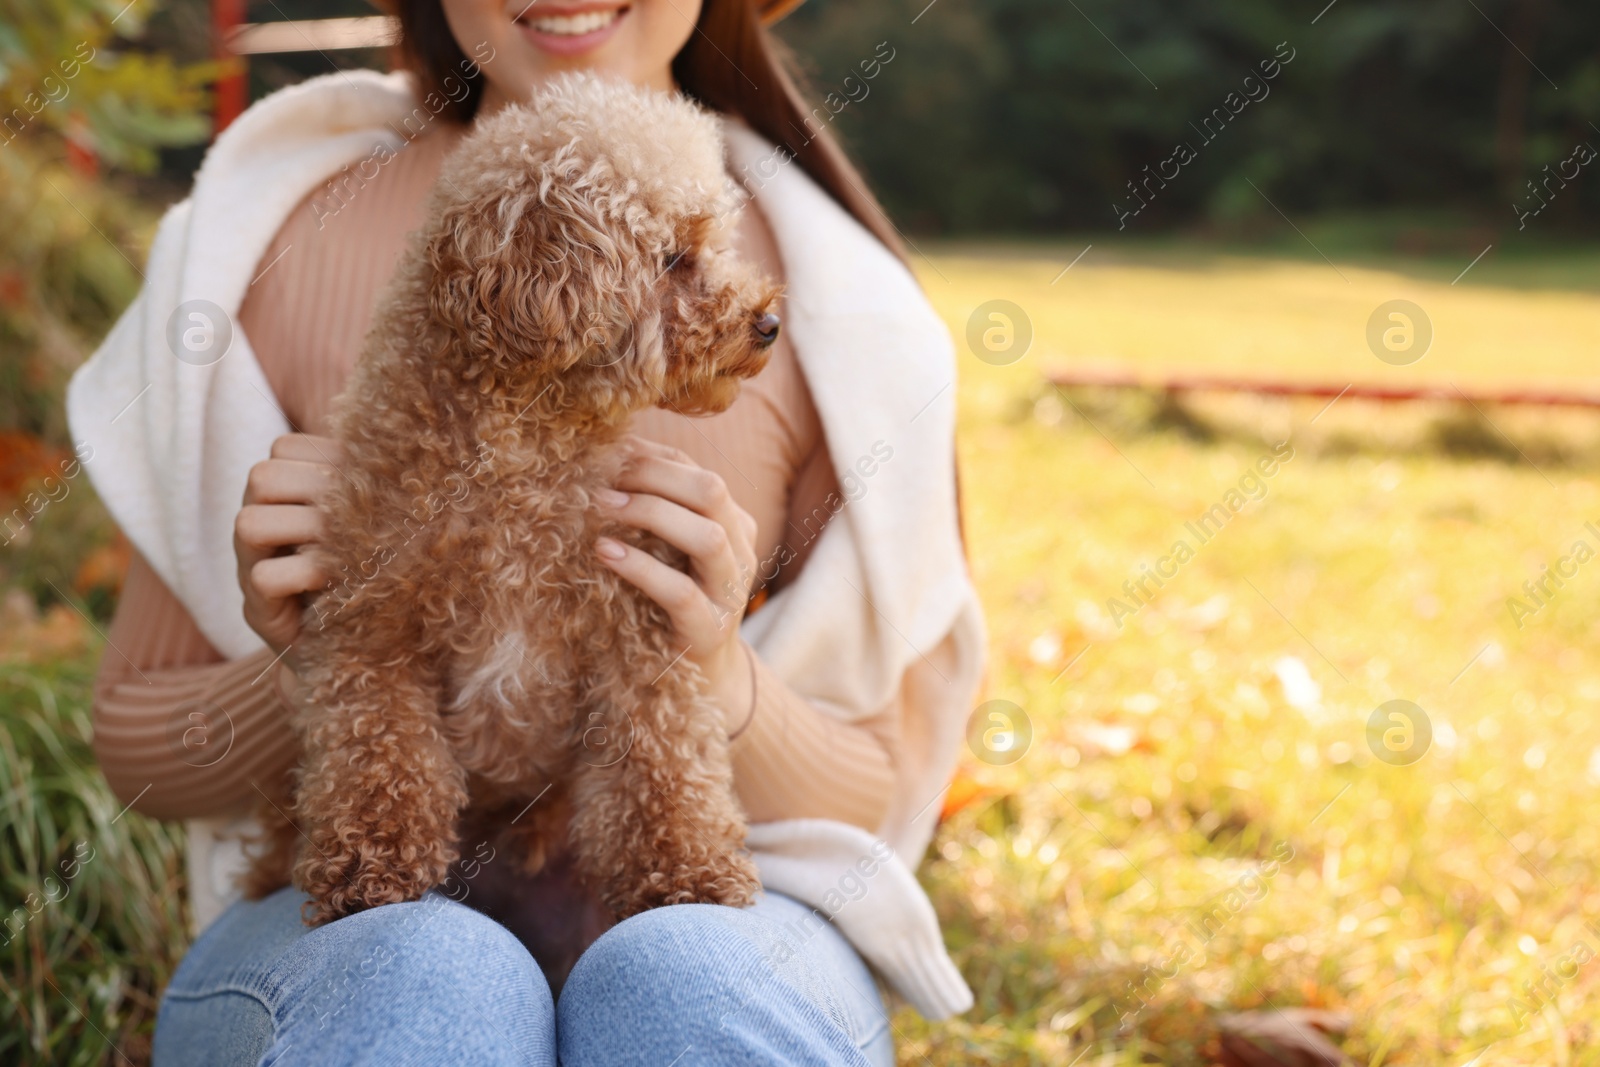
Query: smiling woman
[[843, 695], [714, 50]]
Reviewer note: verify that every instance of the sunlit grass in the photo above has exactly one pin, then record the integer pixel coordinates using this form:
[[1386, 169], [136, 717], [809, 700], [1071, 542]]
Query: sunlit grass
[[1171, 759], [1170, 764], [1185, 308]]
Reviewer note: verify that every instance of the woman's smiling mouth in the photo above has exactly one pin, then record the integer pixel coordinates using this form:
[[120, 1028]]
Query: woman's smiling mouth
[[569, 30]]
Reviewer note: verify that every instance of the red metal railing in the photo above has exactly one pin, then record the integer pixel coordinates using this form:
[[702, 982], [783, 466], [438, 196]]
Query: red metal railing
[[1352, 390], [235, 40]]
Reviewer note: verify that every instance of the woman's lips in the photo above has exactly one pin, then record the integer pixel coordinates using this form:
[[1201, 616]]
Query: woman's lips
[[570, 33]]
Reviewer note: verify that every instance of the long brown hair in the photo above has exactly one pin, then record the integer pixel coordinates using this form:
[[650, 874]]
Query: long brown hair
[[731, 64]]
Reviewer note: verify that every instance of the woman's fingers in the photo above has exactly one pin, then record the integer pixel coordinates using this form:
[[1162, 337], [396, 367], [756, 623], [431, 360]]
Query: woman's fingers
[[309, 448], [656, 470], [260, 532], [272, 593], [667, 472], [281, 577], [722, 562], [280, 513], [273, 604], [705, 541], [287, 481], [663, 491], [264, 528], [693, 616], [300, 467]]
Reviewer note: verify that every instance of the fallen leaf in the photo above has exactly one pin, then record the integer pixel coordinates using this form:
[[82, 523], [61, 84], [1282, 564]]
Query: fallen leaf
[[1288, 1037], [964, 790]]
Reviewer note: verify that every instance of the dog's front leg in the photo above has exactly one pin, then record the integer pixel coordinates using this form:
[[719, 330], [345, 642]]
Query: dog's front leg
[[655, 820], [380, 791]]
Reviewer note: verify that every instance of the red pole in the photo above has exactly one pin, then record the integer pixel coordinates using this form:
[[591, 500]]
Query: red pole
[[233, 88], [1353, 390]]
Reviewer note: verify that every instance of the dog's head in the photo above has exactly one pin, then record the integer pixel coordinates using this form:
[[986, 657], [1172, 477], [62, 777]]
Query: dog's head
[[580, 243]]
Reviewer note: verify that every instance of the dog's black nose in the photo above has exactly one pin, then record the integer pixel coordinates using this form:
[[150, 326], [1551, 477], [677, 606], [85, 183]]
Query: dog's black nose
[[767, 327]]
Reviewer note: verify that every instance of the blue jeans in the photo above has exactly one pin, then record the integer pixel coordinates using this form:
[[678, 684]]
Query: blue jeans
[[436, 983]]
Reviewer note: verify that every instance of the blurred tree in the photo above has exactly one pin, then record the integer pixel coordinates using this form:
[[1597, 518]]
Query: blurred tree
[[1030, 116], [1022, 115], [84, 108], [77, 97]]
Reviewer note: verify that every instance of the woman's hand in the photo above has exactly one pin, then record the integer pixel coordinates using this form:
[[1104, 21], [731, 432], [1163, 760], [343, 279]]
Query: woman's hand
[[277, 534], [664, 491]]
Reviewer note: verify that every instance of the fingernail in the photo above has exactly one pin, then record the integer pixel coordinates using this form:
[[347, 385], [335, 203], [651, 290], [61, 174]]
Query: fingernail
[[609, 549], [611, 498]]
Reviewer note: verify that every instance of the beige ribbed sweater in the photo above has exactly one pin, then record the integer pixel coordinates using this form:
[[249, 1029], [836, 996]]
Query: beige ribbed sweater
[[161, 682]]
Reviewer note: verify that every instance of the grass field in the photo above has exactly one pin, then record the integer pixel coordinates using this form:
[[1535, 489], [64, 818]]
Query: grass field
[[1199, 825]]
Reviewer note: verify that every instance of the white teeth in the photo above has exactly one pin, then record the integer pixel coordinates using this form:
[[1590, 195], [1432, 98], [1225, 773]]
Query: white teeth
[[574, 25]]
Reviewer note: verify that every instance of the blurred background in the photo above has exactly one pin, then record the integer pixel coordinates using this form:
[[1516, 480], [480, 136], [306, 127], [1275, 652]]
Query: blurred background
[[1282, 320]]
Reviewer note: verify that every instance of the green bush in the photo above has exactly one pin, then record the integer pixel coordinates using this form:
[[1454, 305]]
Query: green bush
[[74, 87], [94, 921]]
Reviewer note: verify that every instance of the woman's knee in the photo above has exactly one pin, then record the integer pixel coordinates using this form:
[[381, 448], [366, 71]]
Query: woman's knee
[[419, 980], [668, 947], [396, 984], [693, 976], [434, 946]]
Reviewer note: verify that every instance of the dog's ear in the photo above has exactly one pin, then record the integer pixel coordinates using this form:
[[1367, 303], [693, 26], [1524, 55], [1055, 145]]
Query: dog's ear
[[553, 223], [535, 278]]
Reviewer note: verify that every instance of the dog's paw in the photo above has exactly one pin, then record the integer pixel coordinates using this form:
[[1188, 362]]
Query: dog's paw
[[343, 881], [734, 883], [729, 879]]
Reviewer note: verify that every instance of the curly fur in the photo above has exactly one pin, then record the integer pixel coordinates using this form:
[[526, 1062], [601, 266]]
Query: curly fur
[[474, 654]]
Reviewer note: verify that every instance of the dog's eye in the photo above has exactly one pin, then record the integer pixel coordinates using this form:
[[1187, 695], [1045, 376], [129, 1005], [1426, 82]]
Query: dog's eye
[[674, 259]]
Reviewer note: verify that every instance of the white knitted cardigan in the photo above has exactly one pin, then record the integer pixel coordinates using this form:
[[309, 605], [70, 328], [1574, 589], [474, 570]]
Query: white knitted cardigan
[[884, 595]]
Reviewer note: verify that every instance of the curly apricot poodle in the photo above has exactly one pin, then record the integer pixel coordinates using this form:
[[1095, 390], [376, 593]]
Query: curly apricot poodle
[[573, 271]]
